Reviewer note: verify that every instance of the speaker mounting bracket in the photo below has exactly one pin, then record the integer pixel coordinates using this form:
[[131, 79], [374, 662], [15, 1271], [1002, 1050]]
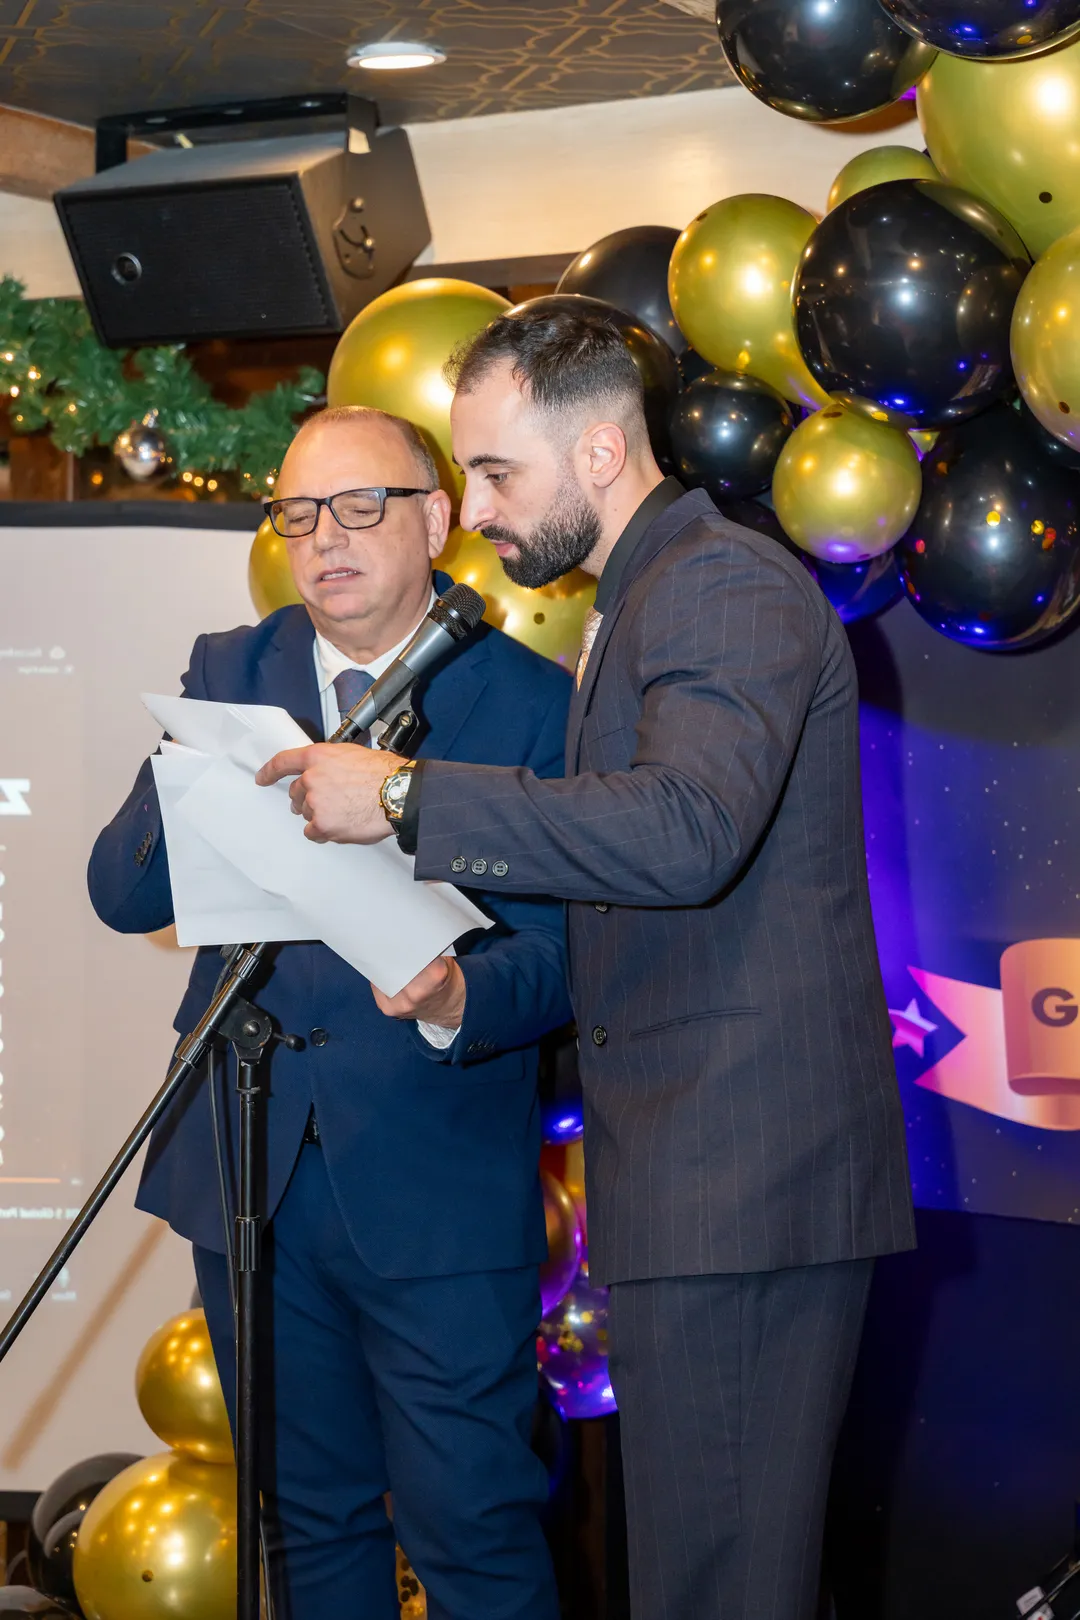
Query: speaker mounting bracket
[[359, 114]]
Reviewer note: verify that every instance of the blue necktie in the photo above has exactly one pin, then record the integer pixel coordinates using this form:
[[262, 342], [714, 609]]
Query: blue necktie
[[349, 688]]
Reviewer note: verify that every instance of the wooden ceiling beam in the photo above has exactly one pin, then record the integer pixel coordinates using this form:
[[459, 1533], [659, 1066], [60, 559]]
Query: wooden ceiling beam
[[39, 155]]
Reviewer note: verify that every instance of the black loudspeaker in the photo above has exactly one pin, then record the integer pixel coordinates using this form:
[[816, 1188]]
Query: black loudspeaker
[[242, 238]]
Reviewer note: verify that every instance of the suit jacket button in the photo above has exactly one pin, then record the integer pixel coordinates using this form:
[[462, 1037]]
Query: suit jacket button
[[599, 1035], [458, 864], [319, 1037], [499, 869], [479, 867], [601, 905]]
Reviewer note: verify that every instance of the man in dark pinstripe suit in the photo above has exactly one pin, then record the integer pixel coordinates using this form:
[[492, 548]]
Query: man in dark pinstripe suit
[[743, 1135]]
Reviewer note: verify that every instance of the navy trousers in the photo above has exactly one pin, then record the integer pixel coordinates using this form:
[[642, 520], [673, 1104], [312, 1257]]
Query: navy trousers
[[731, 1390], [424, 1388]]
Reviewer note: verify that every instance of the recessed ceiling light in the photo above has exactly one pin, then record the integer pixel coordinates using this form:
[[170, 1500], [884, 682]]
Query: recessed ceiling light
[[392, 55]]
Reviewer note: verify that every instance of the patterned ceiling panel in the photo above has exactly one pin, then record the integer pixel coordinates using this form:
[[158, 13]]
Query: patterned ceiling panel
[[80, 59]]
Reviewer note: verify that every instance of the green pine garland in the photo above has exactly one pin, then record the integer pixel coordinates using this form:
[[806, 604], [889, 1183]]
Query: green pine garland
[[58, 376]]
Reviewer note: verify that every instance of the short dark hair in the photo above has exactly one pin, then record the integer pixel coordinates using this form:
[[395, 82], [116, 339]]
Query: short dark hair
[[562, 358]]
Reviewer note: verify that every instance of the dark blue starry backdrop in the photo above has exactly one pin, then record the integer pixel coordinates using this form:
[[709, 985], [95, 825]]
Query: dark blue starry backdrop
[[971, 778]]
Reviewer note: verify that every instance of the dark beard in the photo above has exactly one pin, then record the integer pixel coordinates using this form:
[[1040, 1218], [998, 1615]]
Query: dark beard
[[560, 542]]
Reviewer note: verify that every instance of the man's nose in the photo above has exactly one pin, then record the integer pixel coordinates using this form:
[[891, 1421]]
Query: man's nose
[[476, 508], [329, 534]]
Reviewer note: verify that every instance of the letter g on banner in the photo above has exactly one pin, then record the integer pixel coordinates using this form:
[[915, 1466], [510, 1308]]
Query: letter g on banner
[[1054, 1007]]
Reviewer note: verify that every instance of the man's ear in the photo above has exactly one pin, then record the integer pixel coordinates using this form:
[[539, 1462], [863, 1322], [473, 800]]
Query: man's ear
[[437, 521], [601, 454]]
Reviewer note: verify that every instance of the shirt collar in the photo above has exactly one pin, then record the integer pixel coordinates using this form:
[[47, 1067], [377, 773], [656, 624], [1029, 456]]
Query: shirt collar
[[650, 509], [332, 661]]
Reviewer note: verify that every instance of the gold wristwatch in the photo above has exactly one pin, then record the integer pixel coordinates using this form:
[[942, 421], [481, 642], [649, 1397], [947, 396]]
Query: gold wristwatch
[[393, 792]]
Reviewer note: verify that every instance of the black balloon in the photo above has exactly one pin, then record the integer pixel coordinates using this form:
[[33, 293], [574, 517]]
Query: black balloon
[[820, 61], [904, 297], [984, 29], [655, 362], [727, 432], [993, 556], [70, 1492], [23, 1603], [54, 1561], [630, 269], [692, 366]]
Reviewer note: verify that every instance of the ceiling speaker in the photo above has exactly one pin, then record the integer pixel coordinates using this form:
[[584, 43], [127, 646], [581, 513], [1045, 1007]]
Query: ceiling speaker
[[283, 237]]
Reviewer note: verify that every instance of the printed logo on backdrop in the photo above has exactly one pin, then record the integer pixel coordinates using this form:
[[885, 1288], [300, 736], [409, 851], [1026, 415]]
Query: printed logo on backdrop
[[13, 791], [1019, 1053]]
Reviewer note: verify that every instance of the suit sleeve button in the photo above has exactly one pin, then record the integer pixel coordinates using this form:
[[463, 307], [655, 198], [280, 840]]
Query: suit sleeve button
[[601, 905], [458, 864], [499, 869], [319, 1037], [599, 1035], [479, 867]]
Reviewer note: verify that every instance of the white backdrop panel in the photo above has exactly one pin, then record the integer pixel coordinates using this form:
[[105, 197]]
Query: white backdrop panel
[[89, 617]]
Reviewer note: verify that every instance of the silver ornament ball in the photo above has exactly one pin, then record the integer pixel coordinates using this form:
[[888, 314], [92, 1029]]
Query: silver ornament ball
[[141, 449]]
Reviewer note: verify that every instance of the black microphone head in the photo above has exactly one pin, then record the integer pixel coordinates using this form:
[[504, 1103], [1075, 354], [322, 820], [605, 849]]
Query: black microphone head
[[459, 611]]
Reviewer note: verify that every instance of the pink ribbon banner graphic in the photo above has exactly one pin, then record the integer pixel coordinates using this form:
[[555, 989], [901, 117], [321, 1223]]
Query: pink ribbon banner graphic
[[1020, 1055]]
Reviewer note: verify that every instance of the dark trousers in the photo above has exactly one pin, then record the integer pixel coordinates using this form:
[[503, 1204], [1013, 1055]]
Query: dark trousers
[[425, 1388], [731, 1390]]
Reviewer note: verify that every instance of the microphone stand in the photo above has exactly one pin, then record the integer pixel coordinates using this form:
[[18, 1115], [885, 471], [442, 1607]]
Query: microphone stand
[[229, 1017]]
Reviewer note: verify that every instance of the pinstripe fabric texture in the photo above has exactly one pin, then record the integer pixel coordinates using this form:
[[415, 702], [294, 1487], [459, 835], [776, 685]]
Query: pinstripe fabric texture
[[741, 1107], [731, 1392]]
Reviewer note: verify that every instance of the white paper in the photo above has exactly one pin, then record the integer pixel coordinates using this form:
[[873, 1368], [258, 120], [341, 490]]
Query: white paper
[[238, 857]]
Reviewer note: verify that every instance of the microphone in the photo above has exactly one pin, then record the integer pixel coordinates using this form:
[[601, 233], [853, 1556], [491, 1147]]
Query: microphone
[[452, 618]]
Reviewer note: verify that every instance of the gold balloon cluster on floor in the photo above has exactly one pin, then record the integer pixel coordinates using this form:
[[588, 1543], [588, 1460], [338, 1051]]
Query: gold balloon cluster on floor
[[158, 1542]]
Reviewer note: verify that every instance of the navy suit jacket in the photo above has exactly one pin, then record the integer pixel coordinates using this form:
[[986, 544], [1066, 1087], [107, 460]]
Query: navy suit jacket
[[433, 1155]]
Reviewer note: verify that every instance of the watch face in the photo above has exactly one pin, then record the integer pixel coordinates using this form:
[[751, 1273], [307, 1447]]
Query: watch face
[[394, 791]]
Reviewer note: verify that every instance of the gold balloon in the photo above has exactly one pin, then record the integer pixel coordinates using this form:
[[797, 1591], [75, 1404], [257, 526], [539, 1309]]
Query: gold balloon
[[548, 620], [874, 167], [179, 1391], [846, 487], [1046, 340], [411, 1595], [391, 356], [924, 439], [729, 282], [270, 579], [159, 1543], [564, 1242], [1008, 132]]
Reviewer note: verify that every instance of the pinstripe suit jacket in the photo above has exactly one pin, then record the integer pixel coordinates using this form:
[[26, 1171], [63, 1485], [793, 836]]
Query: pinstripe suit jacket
[[741, 1106]]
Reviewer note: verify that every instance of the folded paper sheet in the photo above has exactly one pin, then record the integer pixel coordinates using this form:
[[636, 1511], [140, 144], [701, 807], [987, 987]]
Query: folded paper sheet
[[241, 868]]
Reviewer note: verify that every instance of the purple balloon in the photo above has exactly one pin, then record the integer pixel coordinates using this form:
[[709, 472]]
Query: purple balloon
[[571, 1350]]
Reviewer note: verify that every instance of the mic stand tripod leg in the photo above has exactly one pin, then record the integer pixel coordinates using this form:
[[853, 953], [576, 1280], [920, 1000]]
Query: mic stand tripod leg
[[250, 1031]]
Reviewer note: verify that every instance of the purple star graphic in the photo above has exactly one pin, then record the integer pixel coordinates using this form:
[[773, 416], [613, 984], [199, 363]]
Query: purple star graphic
[[910, 1028]]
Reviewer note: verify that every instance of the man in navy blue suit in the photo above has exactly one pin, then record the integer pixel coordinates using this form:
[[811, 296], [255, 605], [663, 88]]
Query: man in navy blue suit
[[402, 1141]]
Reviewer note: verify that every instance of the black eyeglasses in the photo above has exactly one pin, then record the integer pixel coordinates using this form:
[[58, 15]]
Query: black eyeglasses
[[298, 515]]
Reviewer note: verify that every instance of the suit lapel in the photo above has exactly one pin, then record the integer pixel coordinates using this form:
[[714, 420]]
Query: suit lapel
[[447, 699], [671, 522], [286, 675]]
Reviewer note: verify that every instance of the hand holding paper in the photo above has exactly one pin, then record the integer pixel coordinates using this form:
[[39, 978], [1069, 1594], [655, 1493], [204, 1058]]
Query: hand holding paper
[[236, 856]]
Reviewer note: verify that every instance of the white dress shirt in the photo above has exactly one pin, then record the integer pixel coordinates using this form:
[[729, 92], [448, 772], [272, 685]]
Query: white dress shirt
[[330, 661]]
